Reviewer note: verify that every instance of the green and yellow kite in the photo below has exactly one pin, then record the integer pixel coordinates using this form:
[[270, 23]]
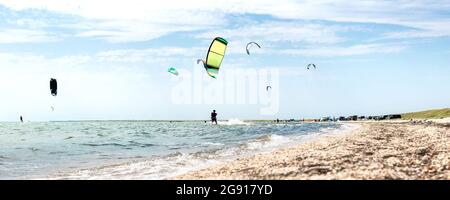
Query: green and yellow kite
[[215, 56]]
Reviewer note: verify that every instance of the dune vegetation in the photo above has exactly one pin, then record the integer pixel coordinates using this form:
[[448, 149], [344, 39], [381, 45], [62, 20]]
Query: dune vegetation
[[428, 114]]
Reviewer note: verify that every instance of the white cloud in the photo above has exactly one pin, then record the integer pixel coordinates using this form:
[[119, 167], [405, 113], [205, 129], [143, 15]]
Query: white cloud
[[129, 31], [344, 51], [145, 55], [134, 20], [113, 59], [438, 28], [282, 31], [28, 23], [25, 36], [138, 20]]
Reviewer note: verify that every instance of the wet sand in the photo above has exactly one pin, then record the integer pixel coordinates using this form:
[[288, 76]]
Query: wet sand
[[376, 150]]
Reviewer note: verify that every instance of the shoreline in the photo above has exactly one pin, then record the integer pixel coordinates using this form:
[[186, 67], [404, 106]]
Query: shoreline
[[263, 144], [375, 150]]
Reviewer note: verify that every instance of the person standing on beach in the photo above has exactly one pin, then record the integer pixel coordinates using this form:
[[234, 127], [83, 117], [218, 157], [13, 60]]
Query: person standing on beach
[[21, 119], [214, 117]]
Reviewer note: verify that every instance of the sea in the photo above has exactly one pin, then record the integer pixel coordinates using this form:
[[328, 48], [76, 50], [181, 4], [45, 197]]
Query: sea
[[140, 149]]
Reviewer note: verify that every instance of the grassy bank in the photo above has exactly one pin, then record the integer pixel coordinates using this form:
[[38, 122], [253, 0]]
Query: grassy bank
[[428, 114]]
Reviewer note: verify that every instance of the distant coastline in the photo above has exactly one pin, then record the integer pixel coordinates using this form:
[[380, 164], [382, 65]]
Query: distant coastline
[[419, 115]]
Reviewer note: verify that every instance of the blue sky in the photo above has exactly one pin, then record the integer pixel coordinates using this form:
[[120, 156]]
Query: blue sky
[[111, 59]]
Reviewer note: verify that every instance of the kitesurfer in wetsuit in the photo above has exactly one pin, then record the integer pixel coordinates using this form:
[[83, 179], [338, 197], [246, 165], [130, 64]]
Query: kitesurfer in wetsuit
[[214, 117], [21, 119]]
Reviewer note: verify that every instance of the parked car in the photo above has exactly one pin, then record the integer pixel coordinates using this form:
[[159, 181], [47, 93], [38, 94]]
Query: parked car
[[396, 116], [325, 119], [353, 118]]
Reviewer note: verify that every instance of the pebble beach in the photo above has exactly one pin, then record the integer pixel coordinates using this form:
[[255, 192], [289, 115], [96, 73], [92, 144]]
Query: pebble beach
[[376, 150]]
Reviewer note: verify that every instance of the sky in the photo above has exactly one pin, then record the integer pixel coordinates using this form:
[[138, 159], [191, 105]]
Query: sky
[[111, 58]]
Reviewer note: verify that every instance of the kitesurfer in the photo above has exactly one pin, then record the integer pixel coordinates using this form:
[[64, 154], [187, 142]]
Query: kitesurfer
[[214, 117], [21, 119]]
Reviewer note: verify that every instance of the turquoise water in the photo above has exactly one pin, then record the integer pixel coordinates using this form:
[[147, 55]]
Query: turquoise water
[[137, 149]]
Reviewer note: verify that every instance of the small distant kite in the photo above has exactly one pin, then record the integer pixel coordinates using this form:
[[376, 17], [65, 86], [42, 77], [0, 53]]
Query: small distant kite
[[250, 45], [214, 57], [311, 65], [173, 71], [53, 109], [53, 87], [267, 88]]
